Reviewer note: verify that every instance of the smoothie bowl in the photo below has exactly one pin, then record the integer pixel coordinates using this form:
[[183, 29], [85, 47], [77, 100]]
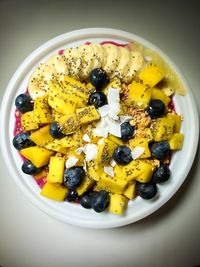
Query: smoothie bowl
[[95, 126]]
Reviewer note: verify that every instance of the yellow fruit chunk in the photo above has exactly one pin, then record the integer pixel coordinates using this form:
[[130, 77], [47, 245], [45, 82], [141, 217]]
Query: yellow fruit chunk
[[139, 95], [111, 184], [42, 110], [115, 139], [54, 191], [115, 83], [156, 93], [176, 141], [118, 204], [140, 142], [68, 141], [130, 190], [86, 184], [80, 157], [89, 88], [149, 134], [68, 124], [105, 151], [152, 75], [163, 129], [87, 114], [59, 101], [56, 145], [42, 136], [56, 170], [28, 122], [37, 155], [77, 85], [177, 121], [41, 174], [94, 169]]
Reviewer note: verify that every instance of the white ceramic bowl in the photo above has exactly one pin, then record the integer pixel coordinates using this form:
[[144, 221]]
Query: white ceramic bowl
[[73, 213]]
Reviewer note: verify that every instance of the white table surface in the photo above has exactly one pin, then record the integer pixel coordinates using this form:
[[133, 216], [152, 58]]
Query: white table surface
[[169, 237]]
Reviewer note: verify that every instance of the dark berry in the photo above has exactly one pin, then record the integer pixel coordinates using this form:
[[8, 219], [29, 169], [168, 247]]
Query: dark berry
[[86, 199], [29, 168], [147, 190], [24, 103], [127, 131], [98, 99], [73, 177], [22, 140], [71, 195], [156, 108], [160, 150], [100, 201], [122, 155], [161, 174], [55, 130], [99, 78]]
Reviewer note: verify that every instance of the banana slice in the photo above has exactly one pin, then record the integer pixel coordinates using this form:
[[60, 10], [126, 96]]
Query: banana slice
[[112, 58], [57, 62], [121, 67], [73, 61], [38, 83], [135, 63], [99, 55], [86, 54]]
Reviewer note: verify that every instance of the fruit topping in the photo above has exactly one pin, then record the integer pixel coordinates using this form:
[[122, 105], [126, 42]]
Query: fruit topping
[[99, 78], [100, 201], [98, 99], [24, 103], [127, 131], [22, 140], [156, 108], [161, 174], [73, 177], [71, 195], [160, 150], [147, 190], [29, 168], [122, 155], [86, 200], [55, 130]]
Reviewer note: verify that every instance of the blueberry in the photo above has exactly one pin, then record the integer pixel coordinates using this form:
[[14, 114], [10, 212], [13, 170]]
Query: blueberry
[[55, 130], [29, 168], [98, 99], [122, 155], [156, 108], [147, 190], [71, 195], [100, 201], [99, 78], [127, 131], [161, 174], [22, 140], [160, 150], [73, 177], [24, 103]]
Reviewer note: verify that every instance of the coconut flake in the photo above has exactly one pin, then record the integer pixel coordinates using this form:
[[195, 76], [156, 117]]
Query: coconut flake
[[125, 118], [90, 151], [71, 161], [86, 138], [102, 123], [109, 170], [113, 163], [102, 132], [114, 111], [114, 127], [104, 110], [137, 152], [84, 165], [101, 141], [113, 96], [79, 150]]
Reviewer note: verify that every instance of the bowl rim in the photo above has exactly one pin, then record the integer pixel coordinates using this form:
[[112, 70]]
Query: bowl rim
[[33, 59]]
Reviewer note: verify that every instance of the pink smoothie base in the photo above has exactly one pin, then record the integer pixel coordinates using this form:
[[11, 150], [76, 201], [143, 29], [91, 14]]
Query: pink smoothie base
[[18, 126]]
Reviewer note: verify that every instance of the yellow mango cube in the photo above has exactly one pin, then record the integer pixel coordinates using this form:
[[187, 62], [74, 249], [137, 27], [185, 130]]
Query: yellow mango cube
[[115, 139], [105, 151], [156, 93], [118, 204], [28, 122], [42, 110], [130, 190], [54, 191], [87, 114], [94, 169], [68, 124], [37, 155], [176, 141], [56, 145], [56, 170], [139, 95], [152, 75], [42, 136], [177, 121], [86, 184], [140, 142], [163, 129]]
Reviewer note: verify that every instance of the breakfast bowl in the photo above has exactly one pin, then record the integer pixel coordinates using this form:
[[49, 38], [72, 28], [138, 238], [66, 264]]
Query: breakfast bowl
[[181, 103]]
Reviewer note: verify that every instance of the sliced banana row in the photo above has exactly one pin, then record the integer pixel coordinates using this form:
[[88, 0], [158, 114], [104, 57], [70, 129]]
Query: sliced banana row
[[78, 62]]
